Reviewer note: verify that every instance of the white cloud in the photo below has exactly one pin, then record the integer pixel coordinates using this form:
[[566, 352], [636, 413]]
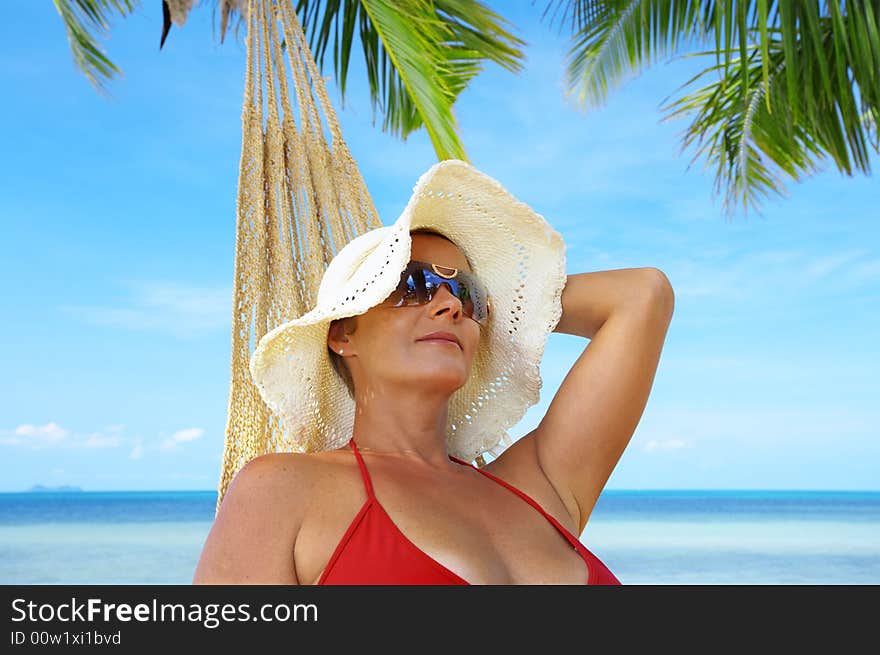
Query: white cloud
[[39, 436], [667, 444], [767, 280], [99, 440], [823, 265], [181, 436], [188, 435], [178, 309], [112, 436], [53, 435]]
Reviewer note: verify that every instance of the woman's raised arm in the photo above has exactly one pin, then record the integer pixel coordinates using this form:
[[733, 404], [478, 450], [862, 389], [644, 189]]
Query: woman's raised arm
[[625, 313]]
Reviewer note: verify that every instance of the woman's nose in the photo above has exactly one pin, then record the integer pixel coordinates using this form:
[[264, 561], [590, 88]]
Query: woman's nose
[[444, 297]]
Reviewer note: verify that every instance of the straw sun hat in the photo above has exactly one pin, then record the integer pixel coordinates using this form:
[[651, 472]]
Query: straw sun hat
[[518, 256]]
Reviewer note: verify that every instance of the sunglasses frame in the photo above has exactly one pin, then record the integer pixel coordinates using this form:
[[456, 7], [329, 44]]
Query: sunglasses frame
[[447, 273]]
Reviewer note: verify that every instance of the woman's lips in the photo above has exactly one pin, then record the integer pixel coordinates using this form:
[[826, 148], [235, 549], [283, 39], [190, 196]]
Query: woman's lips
[[441, 335], [442, 341]]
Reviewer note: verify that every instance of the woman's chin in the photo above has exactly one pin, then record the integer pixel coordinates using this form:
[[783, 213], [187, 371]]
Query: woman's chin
[[445, 377]]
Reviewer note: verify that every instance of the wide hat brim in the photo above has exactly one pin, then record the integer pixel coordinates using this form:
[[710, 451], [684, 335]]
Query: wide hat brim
[[513, 249]]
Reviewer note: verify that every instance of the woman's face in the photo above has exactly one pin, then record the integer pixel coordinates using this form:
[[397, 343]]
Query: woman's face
[[382, 347]]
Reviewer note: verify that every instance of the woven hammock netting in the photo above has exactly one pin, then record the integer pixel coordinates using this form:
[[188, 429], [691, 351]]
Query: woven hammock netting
[[301, 198]]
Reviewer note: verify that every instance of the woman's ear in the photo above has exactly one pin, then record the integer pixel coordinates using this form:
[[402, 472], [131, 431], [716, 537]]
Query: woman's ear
[[339, 329], [334, 333]]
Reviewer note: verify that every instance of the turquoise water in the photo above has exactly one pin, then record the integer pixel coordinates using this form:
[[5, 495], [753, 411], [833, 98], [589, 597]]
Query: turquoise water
[[645, 537]]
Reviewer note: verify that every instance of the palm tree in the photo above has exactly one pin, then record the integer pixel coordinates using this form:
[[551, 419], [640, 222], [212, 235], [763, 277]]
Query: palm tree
[[795, 82], [420, 54]]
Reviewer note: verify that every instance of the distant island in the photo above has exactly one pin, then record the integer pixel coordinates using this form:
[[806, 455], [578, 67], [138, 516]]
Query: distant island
[[62, 487]]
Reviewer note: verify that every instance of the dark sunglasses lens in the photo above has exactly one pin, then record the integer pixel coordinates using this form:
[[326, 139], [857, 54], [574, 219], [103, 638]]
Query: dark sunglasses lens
[[418, 286]]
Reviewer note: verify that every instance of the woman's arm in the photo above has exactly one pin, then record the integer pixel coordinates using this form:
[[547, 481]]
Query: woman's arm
[[589, 299], [252, 538], [625, 313]]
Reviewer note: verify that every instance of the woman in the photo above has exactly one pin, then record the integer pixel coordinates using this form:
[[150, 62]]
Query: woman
[[377, 497]]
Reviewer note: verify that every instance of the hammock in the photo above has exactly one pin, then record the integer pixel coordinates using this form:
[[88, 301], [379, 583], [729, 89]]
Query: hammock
[[301, 198]]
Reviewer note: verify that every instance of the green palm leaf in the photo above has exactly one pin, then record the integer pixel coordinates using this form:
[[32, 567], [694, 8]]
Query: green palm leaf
[[616, 37], [749, 145], [805, 83], [419, 55], [81, 19]]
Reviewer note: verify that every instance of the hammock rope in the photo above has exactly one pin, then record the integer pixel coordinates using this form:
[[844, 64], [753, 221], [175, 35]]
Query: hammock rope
[[301, 198]]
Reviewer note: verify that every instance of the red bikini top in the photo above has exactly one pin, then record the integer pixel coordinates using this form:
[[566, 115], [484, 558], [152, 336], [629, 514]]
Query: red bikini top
[[373, 550]]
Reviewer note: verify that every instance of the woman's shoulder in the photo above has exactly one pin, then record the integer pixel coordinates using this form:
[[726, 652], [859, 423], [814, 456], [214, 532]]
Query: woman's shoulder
[[287, 471], [292, 489], [260, 517]]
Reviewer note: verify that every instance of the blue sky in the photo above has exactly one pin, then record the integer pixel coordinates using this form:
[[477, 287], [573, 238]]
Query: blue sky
[[118, 230]]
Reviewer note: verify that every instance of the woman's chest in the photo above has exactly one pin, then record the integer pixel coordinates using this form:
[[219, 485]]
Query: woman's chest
[[481, 534]]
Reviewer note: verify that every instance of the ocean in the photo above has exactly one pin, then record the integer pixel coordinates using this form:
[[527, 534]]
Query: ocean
[[645, 537]]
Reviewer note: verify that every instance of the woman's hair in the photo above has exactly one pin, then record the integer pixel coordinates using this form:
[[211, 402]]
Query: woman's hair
[[336, 359]]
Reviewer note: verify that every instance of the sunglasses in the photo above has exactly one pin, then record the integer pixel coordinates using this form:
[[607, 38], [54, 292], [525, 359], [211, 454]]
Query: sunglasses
[[419, 281]]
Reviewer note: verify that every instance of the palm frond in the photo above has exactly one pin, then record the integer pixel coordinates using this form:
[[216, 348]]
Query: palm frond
[[759, 145], [419, 55], [82, 18], [228, 9], [411, 36], [614, 38], [753, 144], [788, 78]]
